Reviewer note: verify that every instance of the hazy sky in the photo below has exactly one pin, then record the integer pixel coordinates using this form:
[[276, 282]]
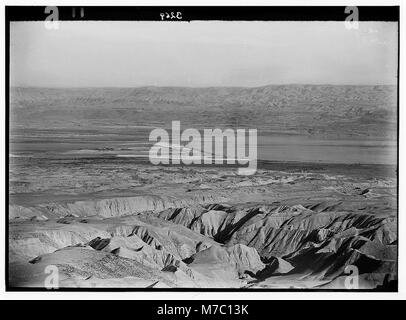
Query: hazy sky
[[103, 53]]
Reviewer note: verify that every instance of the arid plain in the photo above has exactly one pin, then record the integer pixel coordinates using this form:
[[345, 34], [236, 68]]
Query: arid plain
[[84, 197]]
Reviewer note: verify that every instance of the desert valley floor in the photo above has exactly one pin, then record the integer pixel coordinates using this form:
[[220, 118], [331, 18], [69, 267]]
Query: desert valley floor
[[84, 198]]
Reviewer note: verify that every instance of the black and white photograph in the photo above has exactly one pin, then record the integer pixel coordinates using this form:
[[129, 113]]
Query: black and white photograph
[[204, 148]]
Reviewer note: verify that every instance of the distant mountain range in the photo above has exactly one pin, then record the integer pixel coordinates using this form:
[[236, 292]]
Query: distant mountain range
[[304, 109]]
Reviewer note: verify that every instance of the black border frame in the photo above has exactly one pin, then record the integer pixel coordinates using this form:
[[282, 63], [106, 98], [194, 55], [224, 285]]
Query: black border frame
[[189, 13]]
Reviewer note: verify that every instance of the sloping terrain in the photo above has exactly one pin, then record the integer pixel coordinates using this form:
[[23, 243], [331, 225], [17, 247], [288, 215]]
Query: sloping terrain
[[283, 229]]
